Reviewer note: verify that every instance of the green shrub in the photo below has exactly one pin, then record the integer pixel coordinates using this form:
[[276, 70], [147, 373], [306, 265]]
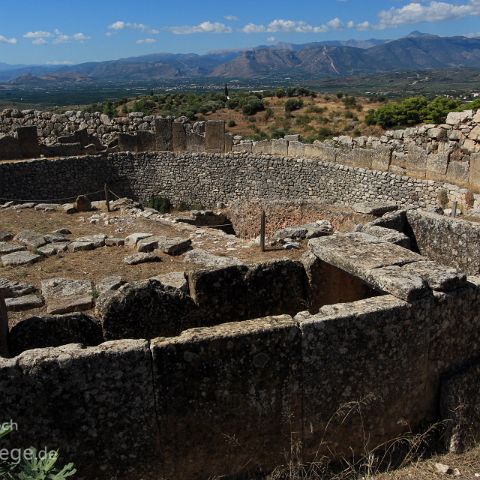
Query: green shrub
[[231, 124], [252, 106], [293, 104], [160, 204], [442, 198]]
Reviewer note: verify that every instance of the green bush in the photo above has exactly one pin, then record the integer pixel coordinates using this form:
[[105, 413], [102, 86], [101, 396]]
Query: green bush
[[293, 104], [160, 204], [231, 124], [252, 106]]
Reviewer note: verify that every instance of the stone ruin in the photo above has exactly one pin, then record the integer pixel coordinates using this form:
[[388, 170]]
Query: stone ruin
[[223, 373]]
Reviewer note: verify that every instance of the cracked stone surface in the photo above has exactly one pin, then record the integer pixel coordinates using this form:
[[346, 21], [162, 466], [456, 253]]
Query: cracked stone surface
[[65, 296], [30, 238], [11, 247], [139, 258], [27, 302], [18, 259], [202, 257]]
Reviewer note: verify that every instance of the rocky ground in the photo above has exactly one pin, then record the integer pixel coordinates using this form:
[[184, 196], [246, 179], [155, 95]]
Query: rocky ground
[[44, 249]]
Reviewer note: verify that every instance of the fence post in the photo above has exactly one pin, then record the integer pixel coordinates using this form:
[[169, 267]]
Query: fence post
[[262, 231], [454, 209], [3, 327], [107, 197]]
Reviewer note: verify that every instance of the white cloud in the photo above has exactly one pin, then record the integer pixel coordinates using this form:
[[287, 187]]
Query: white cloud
[[121, 25], [335, 24], [146, 40], [271, 39], [8, 41], [434, 11], [39, 41], [204, 27], [286, 26], [60, 62], [231, 18], [40, 37], [38, 34]]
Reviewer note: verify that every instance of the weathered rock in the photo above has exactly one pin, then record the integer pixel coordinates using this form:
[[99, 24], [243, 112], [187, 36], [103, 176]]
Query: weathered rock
[[148, 244], [30, 239], [69, 208], [138, 258], [47, 207], [460, 409], [389, 235], [455, 118], [26, 302], [11, 247], [24, 206], [82, 204], [145, 310], [62, 231], [173, 279], [5, 236], [18, 259], [53, 331], [111, 283], [114, 242], [80, 246], [134, 238], [376, 209], [311, 230], [202, 257], [12, 289], [65, 296], [174, 246], [56, 238], [97, 240]]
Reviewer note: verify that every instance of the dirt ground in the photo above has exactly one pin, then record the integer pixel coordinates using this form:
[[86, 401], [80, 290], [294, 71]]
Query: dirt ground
[[106, 261]]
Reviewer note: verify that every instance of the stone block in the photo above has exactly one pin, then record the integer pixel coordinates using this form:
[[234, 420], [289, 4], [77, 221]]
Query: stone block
[[458, 173], [179, 137], [226, 391], [296, 149], [262, 147], [416, 161], [28, 141], [228, 142], [19, 259], [145, 309], [9, 148], [243, 147], [195, 142], [279, 147], [146, 141], [26, 302], [73, 397], [474, 171], [164, 133], [215, 136], [341, 410], [127, 142], [65, 296], [381, 158], [321, 152], [54, 331], [436, 166]]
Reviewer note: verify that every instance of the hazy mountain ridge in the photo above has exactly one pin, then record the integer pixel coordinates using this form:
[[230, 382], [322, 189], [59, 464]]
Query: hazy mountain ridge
[[417, 51]]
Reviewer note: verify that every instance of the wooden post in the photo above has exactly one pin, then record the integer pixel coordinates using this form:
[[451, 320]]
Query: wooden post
[[107, 197], [262, 231], [454, 209], [3, 327]]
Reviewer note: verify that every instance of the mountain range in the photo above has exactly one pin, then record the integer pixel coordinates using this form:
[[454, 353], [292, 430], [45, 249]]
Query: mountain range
[[414, 52]]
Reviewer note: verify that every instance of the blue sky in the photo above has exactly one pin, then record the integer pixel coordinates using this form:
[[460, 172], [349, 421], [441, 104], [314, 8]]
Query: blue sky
[[74, 31]]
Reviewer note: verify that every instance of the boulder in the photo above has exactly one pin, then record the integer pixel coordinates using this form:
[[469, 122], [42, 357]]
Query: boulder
[[11, 247], [26, 302], [456, 118], [134, 238], [30, 239], [54, 331], [12, 289], [145, 310], [138, 258], [374, 208], [82, 204]]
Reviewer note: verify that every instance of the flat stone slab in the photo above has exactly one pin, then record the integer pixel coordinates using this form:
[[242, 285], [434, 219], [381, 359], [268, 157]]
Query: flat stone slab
[[5, 236], [27, 302], [389, 235], [53, 249], [80, 246], [438, 277], [202, 257], [12, 289], [138, 258], [62, 231], [114, 242], [11, 247], [24, 206], [18, 259], [174, 246], [376, 209], [65, 296], [30, 238], [47, 207], [109, 284], [302, 232], [358, 252], [134, 238], [148, 244], [173, 279], [97, 240], [56, 238]]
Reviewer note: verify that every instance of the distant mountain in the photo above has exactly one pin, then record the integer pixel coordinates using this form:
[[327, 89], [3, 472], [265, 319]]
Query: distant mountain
[[417, 51]]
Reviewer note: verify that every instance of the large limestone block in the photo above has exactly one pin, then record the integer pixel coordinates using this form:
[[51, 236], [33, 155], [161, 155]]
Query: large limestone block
[[320, 152], [65, 296], [436, 166], [226, 391], [346, 385], [145, 310], [179, 137], [456, 118], [215, 136], [279, 147], [54, 331], [262, 147], [95, 403], [163, 133], [296, 149], [458, 173]]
